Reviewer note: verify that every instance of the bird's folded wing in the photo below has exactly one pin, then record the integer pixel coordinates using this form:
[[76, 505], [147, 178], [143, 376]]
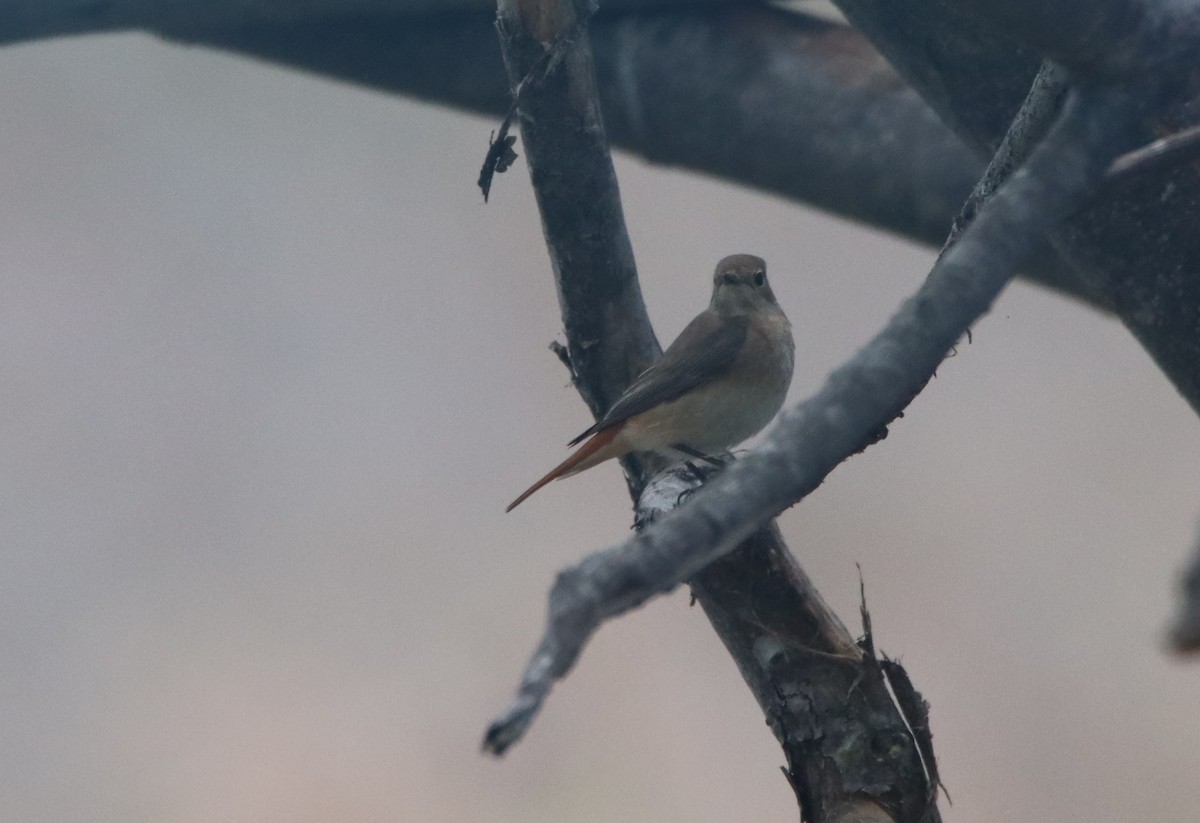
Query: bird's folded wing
[[704, 350]]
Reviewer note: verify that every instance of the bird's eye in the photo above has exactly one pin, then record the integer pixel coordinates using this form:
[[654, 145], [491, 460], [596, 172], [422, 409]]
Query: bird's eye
[[728, 279], [760, 277]]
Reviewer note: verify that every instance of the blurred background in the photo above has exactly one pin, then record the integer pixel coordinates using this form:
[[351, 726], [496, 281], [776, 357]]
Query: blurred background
[[271, 370]]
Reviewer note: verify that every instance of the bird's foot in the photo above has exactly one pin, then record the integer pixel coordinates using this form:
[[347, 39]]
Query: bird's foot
[[697, 474], [716, 462]]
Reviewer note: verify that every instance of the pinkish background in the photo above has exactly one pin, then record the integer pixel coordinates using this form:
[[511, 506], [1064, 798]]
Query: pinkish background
[[271, 371]]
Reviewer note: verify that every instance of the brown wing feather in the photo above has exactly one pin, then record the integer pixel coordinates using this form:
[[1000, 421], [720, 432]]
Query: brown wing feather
[[705, 349]]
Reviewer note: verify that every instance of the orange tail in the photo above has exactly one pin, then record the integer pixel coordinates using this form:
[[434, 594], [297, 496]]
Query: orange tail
[[599, 440]]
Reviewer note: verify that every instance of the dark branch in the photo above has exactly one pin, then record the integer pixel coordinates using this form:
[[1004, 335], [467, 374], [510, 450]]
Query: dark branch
[[973, 76], [1099, 39], [1181, 147], [1135, 243], [825, 700], [859, 398], [789, 104], [610, 340]]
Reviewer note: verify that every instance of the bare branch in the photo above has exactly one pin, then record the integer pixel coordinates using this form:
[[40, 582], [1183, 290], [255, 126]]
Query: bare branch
[[1029, 126], [789, 104], [973, 76], [826, 701], [829, 716], [860, 397], [1180, 147], [610, 339], [831, 124], [1135, 242]]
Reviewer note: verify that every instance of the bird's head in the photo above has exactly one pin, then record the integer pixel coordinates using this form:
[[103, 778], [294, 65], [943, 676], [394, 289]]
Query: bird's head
[[740, 286]]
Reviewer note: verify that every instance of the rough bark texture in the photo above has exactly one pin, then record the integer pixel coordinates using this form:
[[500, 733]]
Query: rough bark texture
[[1029, 126], [848, 749]]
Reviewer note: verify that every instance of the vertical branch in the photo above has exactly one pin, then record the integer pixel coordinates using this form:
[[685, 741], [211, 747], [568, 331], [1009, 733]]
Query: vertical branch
[[549, 61], [850, 755], [609, 338]]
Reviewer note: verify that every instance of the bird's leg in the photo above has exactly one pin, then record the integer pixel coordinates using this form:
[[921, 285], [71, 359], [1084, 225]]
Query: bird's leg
[[716, 462], [695, 472], [698, 474]]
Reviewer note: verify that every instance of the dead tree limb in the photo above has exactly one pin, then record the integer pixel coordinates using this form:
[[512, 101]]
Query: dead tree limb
[[789, 104], [851, 755], [849, 751], [1029, 126], [859, 398], [1136, 242], [831, 123]]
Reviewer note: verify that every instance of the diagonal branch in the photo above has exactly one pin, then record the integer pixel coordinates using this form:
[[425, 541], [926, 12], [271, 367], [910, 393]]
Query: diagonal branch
[[866, 393], [1136, 242], [1030, 124]]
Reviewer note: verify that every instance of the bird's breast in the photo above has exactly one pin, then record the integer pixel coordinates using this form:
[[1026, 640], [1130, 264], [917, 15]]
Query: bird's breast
[[733, 406]]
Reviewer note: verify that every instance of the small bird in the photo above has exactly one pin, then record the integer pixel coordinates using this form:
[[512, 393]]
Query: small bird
[[720, 382]]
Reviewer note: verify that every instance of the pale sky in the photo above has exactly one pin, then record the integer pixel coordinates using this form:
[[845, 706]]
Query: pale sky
[[271, 371]]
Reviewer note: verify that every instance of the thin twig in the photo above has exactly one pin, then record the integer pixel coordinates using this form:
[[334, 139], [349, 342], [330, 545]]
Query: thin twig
[[1180, 147]]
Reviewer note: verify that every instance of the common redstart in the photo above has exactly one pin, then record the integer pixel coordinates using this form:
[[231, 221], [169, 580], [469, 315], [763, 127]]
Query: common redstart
[[720, 382]]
